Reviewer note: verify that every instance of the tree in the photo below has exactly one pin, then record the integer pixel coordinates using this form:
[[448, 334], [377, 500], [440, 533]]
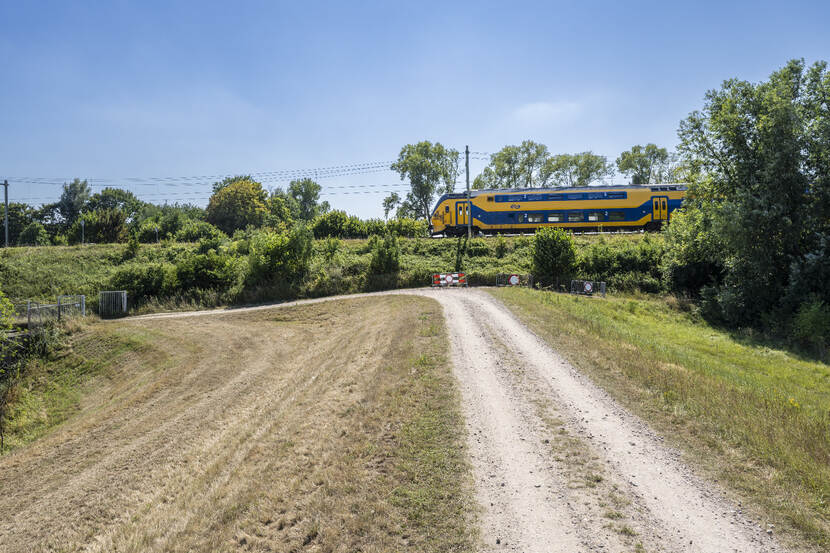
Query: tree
[[758, 157], [426, 166], [33, 235], [73, 198], [20, 215], [642, 163], [523, 166], [278, 216], [237, 205], [115, 198], [390, 202], [103, 226], [303, 199], [554, 255], [577, 169]]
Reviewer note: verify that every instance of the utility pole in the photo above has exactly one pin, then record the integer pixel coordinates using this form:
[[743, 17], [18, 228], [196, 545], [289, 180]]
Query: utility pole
[[6, 187], [469, 202]]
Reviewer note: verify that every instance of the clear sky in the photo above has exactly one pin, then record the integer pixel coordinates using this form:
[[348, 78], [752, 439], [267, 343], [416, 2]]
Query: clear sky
[[117, 90]]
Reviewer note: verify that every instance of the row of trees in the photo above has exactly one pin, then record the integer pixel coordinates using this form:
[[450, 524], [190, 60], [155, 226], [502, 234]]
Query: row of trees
[[115, 215]]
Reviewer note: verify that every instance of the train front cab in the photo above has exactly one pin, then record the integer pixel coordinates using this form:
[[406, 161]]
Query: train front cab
[[449, 215]]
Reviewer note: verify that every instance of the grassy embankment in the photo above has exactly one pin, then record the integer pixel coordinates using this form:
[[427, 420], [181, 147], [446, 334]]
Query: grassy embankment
[[337, 267], [232, 432], [755, 417]]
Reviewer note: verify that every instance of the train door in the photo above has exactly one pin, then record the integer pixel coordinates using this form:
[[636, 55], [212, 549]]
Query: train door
[[461, 213], [660, 208]]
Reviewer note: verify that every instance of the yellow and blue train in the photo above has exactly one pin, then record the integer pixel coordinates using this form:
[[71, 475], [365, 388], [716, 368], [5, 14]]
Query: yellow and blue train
[[579, 209]]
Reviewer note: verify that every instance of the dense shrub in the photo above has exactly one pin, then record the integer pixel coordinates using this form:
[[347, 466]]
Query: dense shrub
[[33, 234], [194, 231], [143, 281], [385, 255], [554, 256], [104, 226], [811, 327], [408, 228], [279, 256], [209, 270]]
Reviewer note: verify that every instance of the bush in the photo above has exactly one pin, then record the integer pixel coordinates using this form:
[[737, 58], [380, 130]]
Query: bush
[[208, 271], [554, 256], [151, 280], [385, 255], [407, 228], [501, 246], [194, 231], [132, 248], [279, 256], [103, 226], [33, 234], [332, 223], [811, 327]]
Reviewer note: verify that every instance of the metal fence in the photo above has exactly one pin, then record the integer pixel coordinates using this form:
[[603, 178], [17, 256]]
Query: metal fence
[[514, 279], [587, 287], [112, 303], [32, 314]]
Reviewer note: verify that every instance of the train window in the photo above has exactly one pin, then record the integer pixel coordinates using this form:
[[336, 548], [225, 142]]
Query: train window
[[575, 217], [489, 198], [595, 216], [556, 217], [616, 215], [446, 209], [534, 218], [616, 195]]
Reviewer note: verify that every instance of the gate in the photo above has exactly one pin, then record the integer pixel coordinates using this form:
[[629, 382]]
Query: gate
[[112, 303]]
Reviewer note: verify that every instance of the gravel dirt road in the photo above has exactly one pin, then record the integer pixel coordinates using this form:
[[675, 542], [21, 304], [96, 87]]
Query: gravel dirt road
[[558, 465], [561, 467]]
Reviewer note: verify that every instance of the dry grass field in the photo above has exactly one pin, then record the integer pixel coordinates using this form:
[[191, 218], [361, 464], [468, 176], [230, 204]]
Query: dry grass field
[[326, 427]]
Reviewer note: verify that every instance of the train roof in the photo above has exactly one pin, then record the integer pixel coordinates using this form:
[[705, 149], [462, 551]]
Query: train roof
[[652, 187]]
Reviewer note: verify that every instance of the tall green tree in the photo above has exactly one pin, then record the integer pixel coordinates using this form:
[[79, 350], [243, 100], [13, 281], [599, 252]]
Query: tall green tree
[[390, 202], [523, 166], [577, 169], [115, 198], [237, 205], [759, 155], [303, 199], [643, 164], [427, 166], [73, 198], [20, 215]]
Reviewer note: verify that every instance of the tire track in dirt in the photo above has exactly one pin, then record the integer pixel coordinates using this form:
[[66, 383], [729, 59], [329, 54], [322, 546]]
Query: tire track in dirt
[[505, 372]]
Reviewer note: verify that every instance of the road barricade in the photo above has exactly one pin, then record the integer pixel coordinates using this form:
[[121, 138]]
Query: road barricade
[[447, 280]]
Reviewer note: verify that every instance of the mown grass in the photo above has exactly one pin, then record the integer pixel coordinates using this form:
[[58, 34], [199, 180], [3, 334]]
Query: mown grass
[[357, 442], [753, 416]]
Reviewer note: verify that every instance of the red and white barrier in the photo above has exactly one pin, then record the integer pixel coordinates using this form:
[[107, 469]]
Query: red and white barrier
[[444, 280]]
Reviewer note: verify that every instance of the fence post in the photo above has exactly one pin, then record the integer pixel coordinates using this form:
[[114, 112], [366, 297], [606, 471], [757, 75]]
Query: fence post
[[83, 305], [59, 309], [29, 315]]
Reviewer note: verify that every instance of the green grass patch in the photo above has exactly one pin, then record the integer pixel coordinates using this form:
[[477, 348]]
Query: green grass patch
[[51, 390], [755, 416]]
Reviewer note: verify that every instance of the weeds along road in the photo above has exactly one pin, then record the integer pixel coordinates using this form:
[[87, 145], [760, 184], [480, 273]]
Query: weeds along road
[[558, 465]]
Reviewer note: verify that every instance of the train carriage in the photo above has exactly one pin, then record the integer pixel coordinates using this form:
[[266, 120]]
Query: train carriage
[[579, 209]]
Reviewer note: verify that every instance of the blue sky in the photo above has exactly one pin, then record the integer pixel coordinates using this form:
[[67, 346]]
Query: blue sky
[[110, 90]]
